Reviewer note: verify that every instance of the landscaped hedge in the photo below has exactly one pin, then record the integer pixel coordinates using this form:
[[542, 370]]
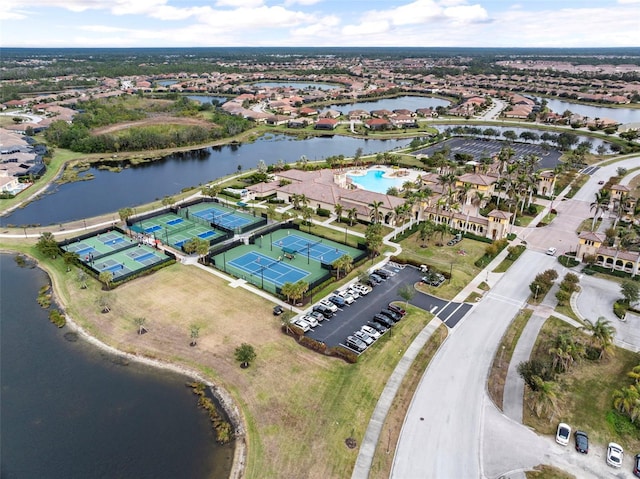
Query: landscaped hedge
[[323, 212], [615, 272], [408, 232], [343, 353], [483, 239]]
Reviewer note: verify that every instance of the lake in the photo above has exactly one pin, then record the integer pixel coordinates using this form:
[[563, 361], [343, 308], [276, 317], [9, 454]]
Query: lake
[[622, 115], [110, 191], [296, 84], [409, 102], [70, 410]]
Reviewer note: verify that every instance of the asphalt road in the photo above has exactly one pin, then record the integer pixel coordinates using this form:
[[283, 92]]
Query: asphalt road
[[441, 436]]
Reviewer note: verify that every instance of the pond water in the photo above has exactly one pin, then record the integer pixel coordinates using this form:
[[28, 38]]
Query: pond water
[[110, 191], [622, 115], [412, 103], [295, 84], [71, 411], [208, 99], [167, 82]]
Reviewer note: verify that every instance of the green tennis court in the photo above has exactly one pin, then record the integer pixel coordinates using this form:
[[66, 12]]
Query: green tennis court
[[175, 230], [95, 247], [220, 215]]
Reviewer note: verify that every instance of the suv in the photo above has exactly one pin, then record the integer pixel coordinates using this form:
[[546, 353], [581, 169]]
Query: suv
[[374, 333], [355, 343], [397, 309], [381, 328], [382, 319], [311, 320], [337, 300], [277, 310], [346, 296], [328, 304], [318, 315], [302, 324], [382, 273], [364, 337], [326, 312], [395, 317]]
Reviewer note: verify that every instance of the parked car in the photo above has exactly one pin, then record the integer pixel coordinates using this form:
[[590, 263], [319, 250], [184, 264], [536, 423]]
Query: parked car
[[382, 273], [377, 277], [326, 312], [355, 343], [353, 292], [397, 309], [311, 320], [318, 315], [362, 289], [395, 317], [551, 251], [277, 310], [328, 304], [381, 328], [337, 300], [364, 337], [563, 433], [636, 465], [615, 453], [582, 441], [346, 296], [302, 324], [374, 280], [382, 319], [375, 334]]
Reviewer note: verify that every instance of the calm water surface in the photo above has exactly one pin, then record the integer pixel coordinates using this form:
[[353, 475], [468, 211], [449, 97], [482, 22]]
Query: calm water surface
[[376, 181], [623, 115], [298, 85], [110, 191], [70, 411], [412, 103]]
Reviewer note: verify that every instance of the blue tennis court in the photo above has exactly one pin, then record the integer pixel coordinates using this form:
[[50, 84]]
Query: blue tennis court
[[317, 251], [152, 229], [218, 216], [174, 221], [274, 271]]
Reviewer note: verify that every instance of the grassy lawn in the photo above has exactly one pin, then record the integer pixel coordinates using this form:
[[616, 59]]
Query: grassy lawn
[[299, 407], [548, 472], [507, 262], [498, 372], [445, 259], [585, 392]]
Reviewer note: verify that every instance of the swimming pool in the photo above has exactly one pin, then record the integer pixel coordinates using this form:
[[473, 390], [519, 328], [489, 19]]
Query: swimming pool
[[374, 181]]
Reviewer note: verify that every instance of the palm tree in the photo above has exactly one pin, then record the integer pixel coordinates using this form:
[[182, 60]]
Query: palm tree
[[69, 258], [307, 213], [352, 214], [600, 204], [106, 277], [345, 263], [602, 334], [288, 290], [627, 399], [544, 398], [140, 323], [195, 333], [338, 208], [635, 374], [375, 213]]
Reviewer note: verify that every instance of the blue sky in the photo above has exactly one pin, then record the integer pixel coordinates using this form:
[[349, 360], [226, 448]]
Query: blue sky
[[201, 23]]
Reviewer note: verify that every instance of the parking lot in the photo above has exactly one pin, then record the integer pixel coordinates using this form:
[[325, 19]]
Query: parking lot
[[350, 318], [484, 148]]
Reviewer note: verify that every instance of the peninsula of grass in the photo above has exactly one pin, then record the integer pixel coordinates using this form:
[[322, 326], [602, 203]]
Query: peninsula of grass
[[298, 406], [585, 393]]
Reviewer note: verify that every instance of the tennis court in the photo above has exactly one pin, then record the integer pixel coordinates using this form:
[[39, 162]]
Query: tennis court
[[220, 215], [289, 256], [175, 230], [268, 269], [95, 247], [314, 247]]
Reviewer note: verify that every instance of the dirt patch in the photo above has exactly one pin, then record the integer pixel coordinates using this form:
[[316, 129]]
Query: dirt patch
[[153, 120]]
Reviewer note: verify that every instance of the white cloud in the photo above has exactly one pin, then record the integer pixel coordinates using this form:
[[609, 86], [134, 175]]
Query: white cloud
[[366, 28], [102, 29], [239, 3], [324, 28], [467, 14], [289, 3], [627, 2]]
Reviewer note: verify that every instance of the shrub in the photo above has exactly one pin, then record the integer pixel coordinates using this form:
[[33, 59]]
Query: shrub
[[323, 212], [563, 297], [343, 353], [620, 308], [313, 344]]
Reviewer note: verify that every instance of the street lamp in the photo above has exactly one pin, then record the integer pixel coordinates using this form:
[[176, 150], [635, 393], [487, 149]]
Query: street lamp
[[536, 295], [450, 272]]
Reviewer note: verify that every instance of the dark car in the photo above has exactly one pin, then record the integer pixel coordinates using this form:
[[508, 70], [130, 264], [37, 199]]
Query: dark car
[[382, 273], [337, 300], [374, 280], [277, 310], [395, 317], [380, 318], [376, 277], [381, 328], [636, 465], [582, 441], [326, 312], [397, 309]]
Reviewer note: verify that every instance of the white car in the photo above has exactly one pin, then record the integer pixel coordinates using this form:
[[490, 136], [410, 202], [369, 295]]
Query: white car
[[346, 296], [563, 434], [302, 324], [313, 322], [329, 305], [614, 454], [362, 289], [370, 331], [353, 292], [551, 251]]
